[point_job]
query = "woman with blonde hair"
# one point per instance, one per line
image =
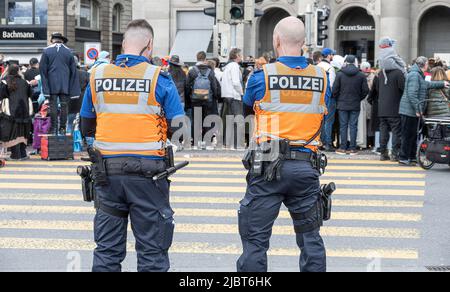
(438, 106)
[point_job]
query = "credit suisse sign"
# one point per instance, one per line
(356, 28)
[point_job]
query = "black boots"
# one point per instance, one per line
(385, 156)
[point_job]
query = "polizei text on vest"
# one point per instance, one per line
(123, 85)
(286, 82)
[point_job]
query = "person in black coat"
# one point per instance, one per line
(208, 107)
(15, 120)
(178, 75)
(30, 76)
(390, 91)
(349, 90)
(75, 103)
(60, 79)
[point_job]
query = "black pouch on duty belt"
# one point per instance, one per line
(143, 167)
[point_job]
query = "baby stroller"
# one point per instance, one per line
(434, 147)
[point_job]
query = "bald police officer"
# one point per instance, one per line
(128, 107)
(289, 101)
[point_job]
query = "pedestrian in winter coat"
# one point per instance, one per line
(178, 76)
(438, 106)
(207, 106)
(416, 91)
(17, 111)
(76, 102)
(350, 88)
(366, 108)
(60, 80)
(390, 86)
(232, 93)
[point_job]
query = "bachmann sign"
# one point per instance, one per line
(356, 28)
(23, 34)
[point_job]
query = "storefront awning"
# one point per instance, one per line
(189, 42)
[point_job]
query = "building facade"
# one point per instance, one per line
(355, 26)
(26, 25)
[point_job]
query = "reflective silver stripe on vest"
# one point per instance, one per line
(142, 108)
(275, 95)
(292, 108)
(317, 96)
(99, 73)
(124, 147)
(128, 109)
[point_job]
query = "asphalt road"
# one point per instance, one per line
(386, 218)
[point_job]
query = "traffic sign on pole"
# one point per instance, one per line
(91, 52)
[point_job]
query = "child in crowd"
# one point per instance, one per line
(389, 59)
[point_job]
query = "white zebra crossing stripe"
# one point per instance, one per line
(219, 213)
(221, 180)
(200, 248)
(354, 232)
(219, 200)
(214, 189)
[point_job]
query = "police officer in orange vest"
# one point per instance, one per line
(289, 102)
(128, 107)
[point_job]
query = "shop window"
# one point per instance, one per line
(117, 18)
(23, 12)
(41, 12)
(89, 14)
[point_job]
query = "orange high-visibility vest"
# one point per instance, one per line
(294, 105)
(129, 119)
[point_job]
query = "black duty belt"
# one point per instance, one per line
(300, 156)
(134, 166)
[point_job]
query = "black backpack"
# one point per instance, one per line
(201, 91)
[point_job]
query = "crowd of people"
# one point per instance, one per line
(369, 105)
(368, 108)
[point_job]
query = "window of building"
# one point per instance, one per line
(23, 12)
(89, 14)
(117, 18)
(194, 34)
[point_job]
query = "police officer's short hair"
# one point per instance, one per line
(140, 24)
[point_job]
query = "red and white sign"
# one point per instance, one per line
(91, 52)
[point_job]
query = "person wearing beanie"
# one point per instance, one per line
(389, 59)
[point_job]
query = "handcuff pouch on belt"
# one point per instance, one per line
(267, 158)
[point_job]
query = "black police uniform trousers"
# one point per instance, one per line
(299, 190)
(151, 218)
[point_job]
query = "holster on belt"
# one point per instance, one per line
(267, 159)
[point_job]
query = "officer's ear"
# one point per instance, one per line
(150, 45)
(276, 42)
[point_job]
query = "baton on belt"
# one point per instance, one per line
(170, 171)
